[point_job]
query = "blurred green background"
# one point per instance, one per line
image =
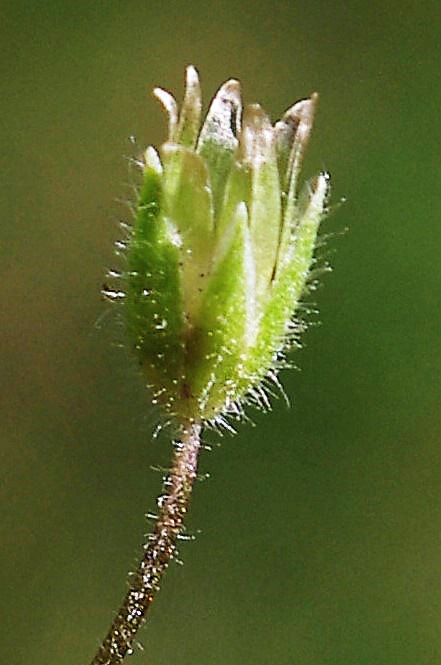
(320, 528)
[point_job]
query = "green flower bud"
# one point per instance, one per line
(221, 250)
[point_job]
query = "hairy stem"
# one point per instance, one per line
(158, 550)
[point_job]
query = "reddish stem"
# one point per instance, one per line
(158, 550)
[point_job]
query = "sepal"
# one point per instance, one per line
(227, 324)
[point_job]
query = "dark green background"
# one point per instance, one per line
(320, 528)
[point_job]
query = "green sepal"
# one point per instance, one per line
(226, 324)
(153, 303)
(290, 282)
(189, 212)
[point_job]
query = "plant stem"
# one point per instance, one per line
(158, 550)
